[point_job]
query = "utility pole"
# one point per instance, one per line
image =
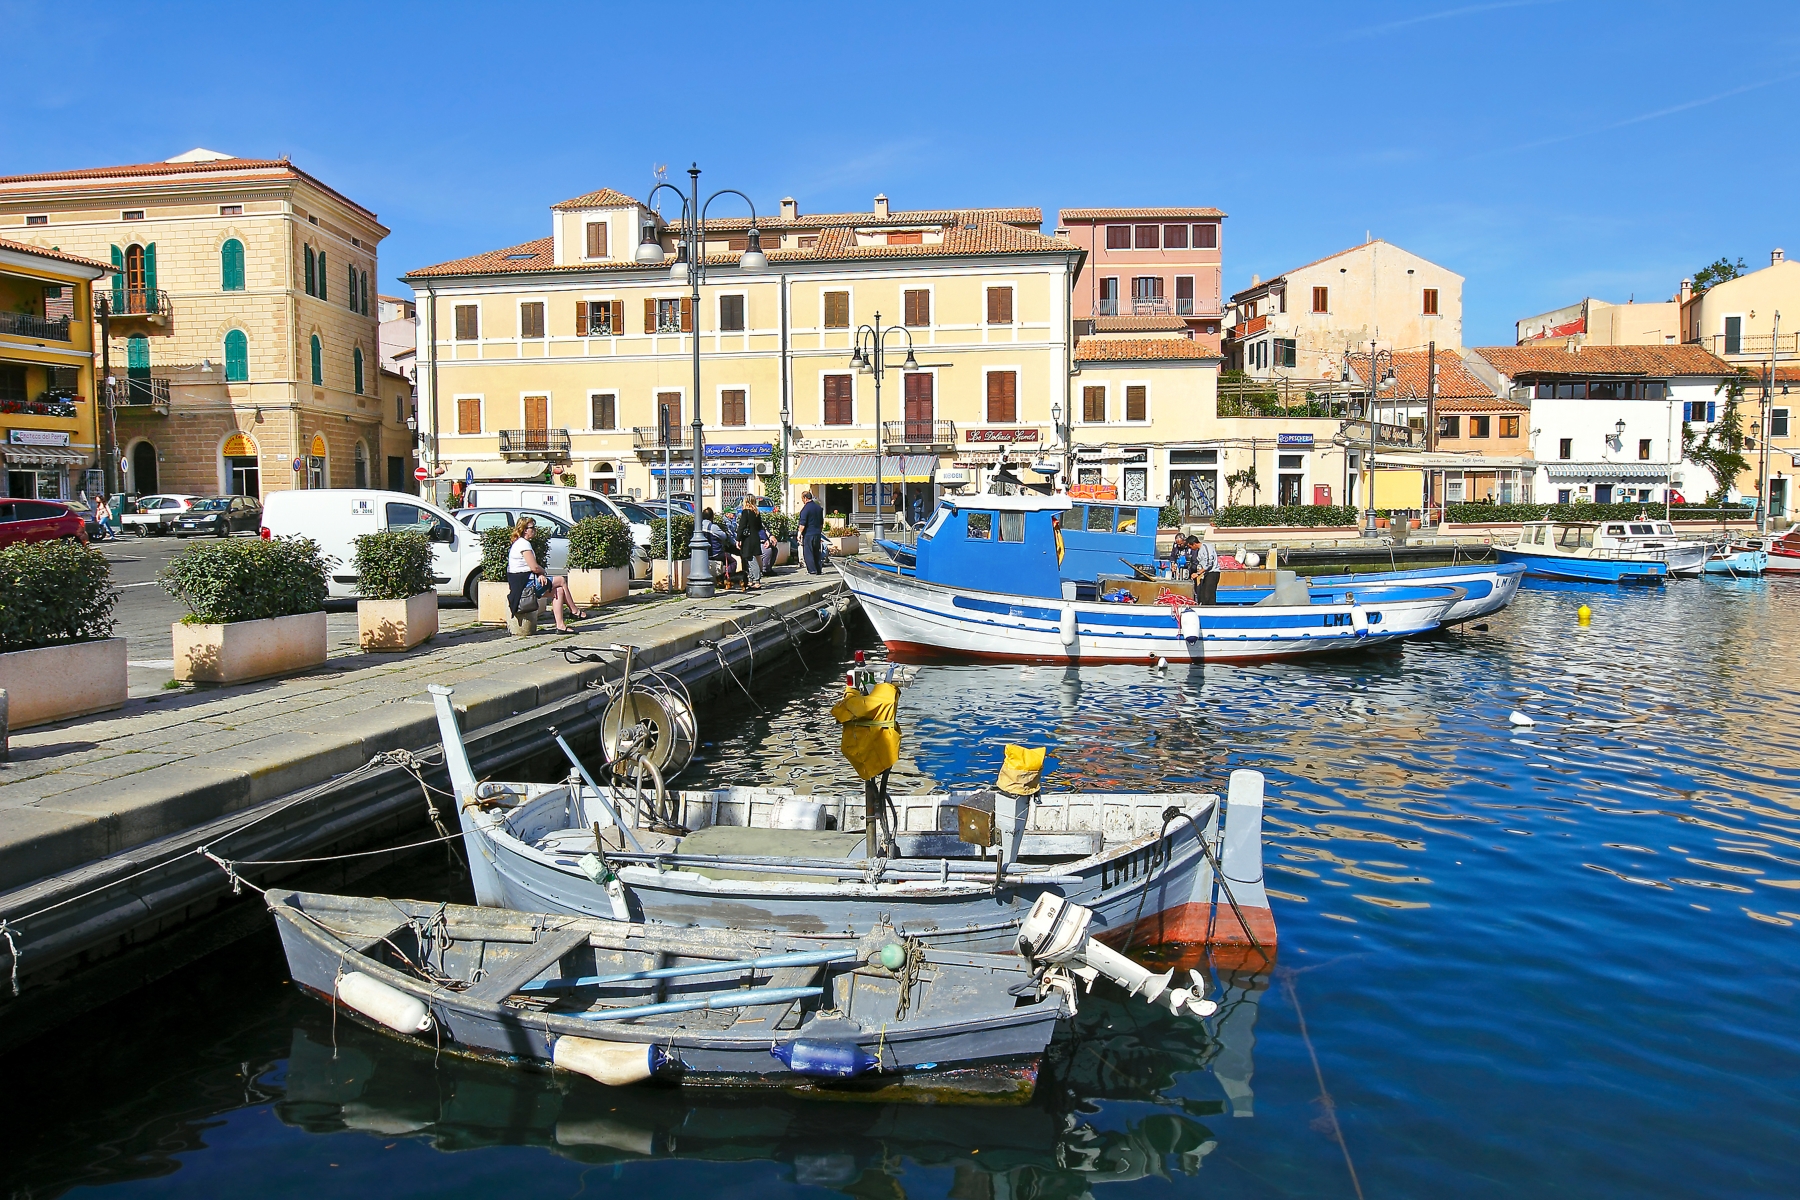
(1762, 433)
(1431, 406)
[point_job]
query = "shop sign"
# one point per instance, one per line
(951, 477)
(713, 470)
(751, 450)
(1001, 435)
(238, 446)
(1293, 439)
(37, 437)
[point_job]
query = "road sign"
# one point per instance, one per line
(421, 474)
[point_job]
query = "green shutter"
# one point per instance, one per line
(237, 357)
(318, 362)
(311, 287)
(231, 265)
(363, 291)
(137, 353)
(150, 276)
(351, 296)
(323, 293)
(118, 300)
(359, 370)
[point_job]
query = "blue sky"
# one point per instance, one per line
(1544, 149)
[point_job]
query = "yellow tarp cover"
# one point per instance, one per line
(871, 730)
(1020, 774)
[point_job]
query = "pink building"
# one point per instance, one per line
(1148, 262)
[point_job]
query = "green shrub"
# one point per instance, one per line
(781, 526)
(393, 565)
(1480, 512)
(684, 533)
(497, 543)
(251, 579)
(597, 543)
(1240, 516)
(54, 592)
(1170, 517)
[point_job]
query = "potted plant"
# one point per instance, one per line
(58, 658)
(599, 560)
(398, 606)
(256, 609)
(494, 607)
(659, 550)
(842, 537)
(782, 527)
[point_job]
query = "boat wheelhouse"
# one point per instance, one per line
(1032, 545)
(1648, 538)
(1568, 550)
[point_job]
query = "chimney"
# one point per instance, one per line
(1255, 279)
(1775, 256)
(881, 208)
(789, 210)
(1687, 290)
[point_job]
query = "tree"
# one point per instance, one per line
(1245, 478)
(1716, 272)
(1720, 448)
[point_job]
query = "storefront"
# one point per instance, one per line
(41, 465)
(845, 483)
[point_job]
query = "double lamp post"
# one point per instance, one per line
(869, 354)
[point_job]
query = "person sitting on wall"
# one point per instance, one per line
(524, 572)
(718, 546)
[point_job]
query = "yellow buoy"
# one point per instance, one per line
(1584, 615)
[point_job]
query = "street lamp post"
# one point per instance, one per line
(1378, 378)
(869, 353)
(1062, 433)
(1762, 435)
(690, 268)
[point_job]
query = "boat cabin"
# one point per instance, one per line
(1553, 537)
(1031, 544)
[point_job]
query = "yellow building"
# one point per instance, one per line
(242, 326)
(49, 426)
(563, 354)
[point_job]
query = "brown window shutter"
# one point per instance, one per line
(1000, 306)
(468, 415)
(650, 315)
(732, 407)
(617, 308)
(1002, 397)
(581, 318)
(837, 310)
(596, 239)
(1136, 402)
(687, 314)
(1093, 404)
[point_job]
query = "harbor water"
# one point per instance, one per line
(1554, 958)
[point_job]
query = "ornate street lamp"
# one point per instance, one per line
(869, 353)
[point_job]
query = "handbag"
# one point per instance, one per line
(528, 600)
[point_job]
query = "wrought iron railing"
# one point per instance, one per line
(650, 437)
(919, 433)
(32, 326)
(150, 302)
(535, 443)
(1150, 306)
(1107, 307)
(141, 392)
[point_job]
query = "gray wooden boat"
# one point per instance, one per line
(882, 1017)
(1147, 864)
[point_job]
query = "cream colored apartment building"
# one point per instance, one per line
(564, 355)
(243, 343)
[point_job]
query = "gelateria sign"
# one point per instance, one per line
(1000, 435)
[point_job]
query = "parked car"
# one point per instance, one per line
(571, 504)
(155, 514)
(483, 519)
(39, 521)
(336, 517)
(220, 516)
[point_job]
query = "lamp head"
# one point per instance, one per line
(858, 359)
(753, 258)
(911, 363)
(1056, 415)
(650, 252)
(1619, 429)
(679, 272)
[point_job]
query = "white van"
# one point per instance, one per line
(571, 504)
(336, 517)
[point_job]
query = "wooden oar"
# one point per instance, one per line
(747, 998)
(799, 958)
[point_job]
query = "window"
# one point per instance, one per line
(1002, 397)
(1109, 297)
(596, 239)
(231, 266)
(1285, 349)
(231, 210)
(1643, 449)
(362, 293)
(1430, 308)
(1137, 479)
(1184, 295)
(237, 357)
(668, 414)
(733, 410)
(350, 295)
(1118, 237)
(1012, 526)
(1479, 426)
(1321, 300)
(312, 279)
(1175, 237)
(356, 366)
(912, 237)
(1206, 237)
(1605, 389)
(1778, 422)
(1146, 288)
(999, 306)
(981, 526)
(1280, 301)
(837, 400)
(1700, 410)
(731, 314)
(1450, 427)
(1565, 448)
(605, 408)
(399, 410)
(322, 288)
(1093, 405)
(468, 322)
(468, 414)
(1734, 335)
(1509, 427)
(837, 310)
(918, 307)
(1147, 237)
(669, 316)
(1137, 402)
(531, 319)
(1100, 519)
(132, 214)
(318, 362)
(599, 317)
(37, 220)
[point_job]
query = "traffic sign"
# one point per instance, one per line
(421, 474)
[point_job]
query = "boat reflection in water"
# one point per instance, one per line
(1061, 1144)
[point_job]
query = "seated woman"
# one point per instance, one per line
(524, 571)
(719, 546)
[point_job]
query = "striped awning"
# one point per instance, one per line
(42, 456)
(1606, 470)
(860, 468)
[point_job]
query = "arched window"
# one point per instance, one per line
(357, 361)
(351, 268)
(322, 289)
(362, 290)
(318, 362)
(237, 357)
(312, 285)
(231, 265)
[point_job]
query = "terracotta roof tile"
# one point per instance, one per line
(602, 198)
(1145, 349)
(176, 173)
(1480, 404)
(869, 220)
(1659, 361)
(58, 255)
(1412, 375)
(1133, 214)
(1143, 324)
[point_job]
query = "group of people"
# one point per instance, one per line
(746, 556)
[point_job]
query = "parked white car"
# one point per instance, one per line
(155, 513)
(571, 504)
(483, 519)
(336, 517)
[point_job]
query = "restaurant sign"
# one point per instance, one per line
(1001, 435)
(752, 450)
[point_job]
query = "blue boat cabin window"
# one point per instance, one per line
(1100, 520)
(1075, 518)
(937, 522)
(980, 526)
(1127, 521)
(1012, 526)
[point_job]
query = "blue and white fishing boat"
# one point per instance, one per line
(1487, 587)
(1647, 538)
(1566, 550)
(1738, 561)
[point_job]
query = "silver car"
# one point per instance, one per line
(483, 519)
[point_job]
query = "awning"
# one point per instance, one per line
(1444, 461)
(42, 456)
(496, 472)
(860, 468)
(1606, 470)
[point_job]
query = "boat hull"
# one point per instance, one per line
(1490, 587)
(1738, 563)
(1585, 570)
(929, 620)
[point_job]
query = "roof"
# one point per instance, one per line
(602, 198)
(1145, 324)
(175, 172)
(1130, 214)
(1658, 361)
(1094, 349)
(58, 255)
(1272, 280)
(981, 235)
(1412, 375)
(871, 220)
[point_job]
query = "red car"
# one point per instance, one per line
(39, 521)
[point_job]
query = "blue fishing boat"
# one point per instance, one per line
(1488, 587)
(1566, 550)
(1738, 561)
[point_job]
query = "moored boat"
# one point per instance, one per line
(1783, 552)
(1738, 561)
(1566, 550)
(1487, 587)
(1648, 538)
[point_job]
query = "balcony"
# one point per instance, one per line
(28, 325)
(1151, 306)
(143, 394)
(1387, 436)
(919, 435)
(649, 439)
(47, 405)
(1749, 345)
(148, 305)
(1287, 398)
(1106, 306)
(535, 443)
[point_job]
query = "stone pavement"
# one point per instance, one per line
(76, 791)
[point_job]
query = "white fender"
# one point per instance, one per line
(612, 1063)
(1190, 624)
(390, 1006)
(1068, 625)
(1359, 620)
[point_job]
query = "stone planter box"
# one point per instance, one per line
(492, 608)
(397, 624)
(784, 553)
(245, 650)
(600, 587)
(659, 574)
(846, 547)
(53, 683)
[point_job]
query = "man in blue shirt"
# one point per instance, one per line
(812, 533)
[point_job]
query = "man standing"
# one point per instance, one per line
(812, 533)
(1203, 564)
